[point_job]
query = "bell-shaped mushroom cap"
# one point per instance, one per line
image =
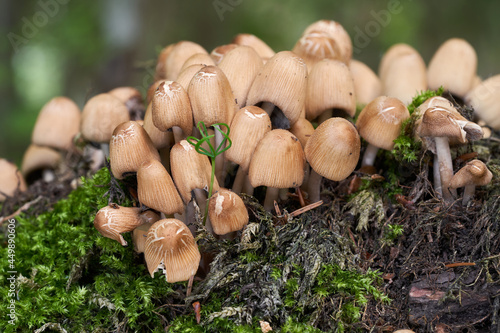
(140, 233)
(333, 149)
(336, 31)
(159, 138)
(395, 51)
(282, 82)
(302, 129)
(315, 46)
(367, 85)
(57, 123)
(380, 121)
(227, 212)
(219, 52)
(151, 91)
(474, 172)
(100, 115)
(278, 161)
(453, 66)
(262, 49)
(241, 65)
(111, 221)
(329, 86)
(132, 99)
(171, 107)
(187, 74)
(170, 246)
(190, 170)
(130, 146)
(403, 75)
(436, 101)
(248, 127)
(212, 99)
(485, 98)
(37, 158)
(181, 52)
(156, 189)
(198, 59)
(11, 179)
(160, 71)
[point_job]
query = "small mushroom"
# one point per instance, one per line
(11, 180)
(113, 220)
(474, 173)
(227, 212)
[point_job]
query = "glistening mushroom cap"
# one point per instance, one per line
(170, 246)
(227, 212)
(474, 172)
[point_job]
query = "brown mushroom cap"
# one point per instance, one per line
(219, 52)
(198, 59)
(111, 221)
(262, 49)
(178, 56)
(315, 46)
(140, 233)
(11, 179)
(170, 246)
(474, 172)
(302, 129)
(336, 31)
(278, 161)
(380, 121)
(159, 138)
(160, 72)
(57, 123)
(227, 212)
(333, 149)
(171, 107)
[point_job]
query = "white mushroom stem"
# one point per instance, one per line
(178, 134)
(445, 165)
(327, 114)
(272, 194)
(369, 155)
(248, 188)
(48, 175)
(268, 107)
(469, 191)
(437, 178)
(219, 159)
(314, 186)
(239, 181)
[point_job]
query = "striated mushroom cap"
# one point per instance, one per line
(227, 212)
(474, 172)
(113, 220)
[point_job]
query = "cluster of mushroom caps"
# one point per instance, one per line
(269, 100)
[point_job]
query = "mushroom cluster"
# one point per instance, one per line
(291, 119)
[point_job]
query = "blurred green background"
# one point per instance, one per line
(82, 48)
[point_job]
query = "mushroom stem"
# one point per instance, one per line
(369, 155)
(219, 159)
(437, 178)
(248, 188)
(445, 165)
(468, 193)
(105, 149)
(178, 134)
(48, 175)
(201, 200)
(239, 180)
(268, 107)
(327, 114)
(272, 194)
(314, 186)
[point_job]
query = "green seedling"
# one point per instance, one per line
(212, 152)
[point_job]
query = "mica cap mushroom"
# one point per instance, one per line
(474, 173)
(113, 220)
(227, 212)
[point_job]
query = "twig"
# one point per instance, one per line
(23, 208)
(459, 264)
(306, 208)
(189, 286)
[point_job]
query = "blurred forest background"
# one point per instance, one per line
(81, 48)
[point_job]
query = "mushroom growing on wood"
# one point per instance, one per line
(474, 173)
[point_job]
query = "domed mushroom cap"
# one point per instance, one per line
(380, 121)
(11, 179)
(156, 189)
(57, 123)
(159, 138)
(474, 172)
(113, 220)
(37, 158)
(302, 129)
(160, 71)
(333, 149)
(367, 85)
(178, 56)
(282, 82)
(485, 98)
(100, 116)
(453, 66)
(336, 31)
(132, 99)
(171, 107)
(227, 212)
(278, 161)
(220, 51)
(395, 51)
(315, 46)
(198, 59)
(170, 246)
(262, 49)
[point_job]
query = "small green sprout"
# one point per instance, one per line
(213, 152)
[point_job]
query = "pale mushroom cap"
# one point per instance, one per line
(315, 46)
(159, 138)
(329, 86)
(453, 66)
(302, 129)
(100, 115)
(171, 107)
(37, 158)
(395, 51)
(212, 99)
(156, 189)
(198, 59)
(219, 52)
(282, 82)
(182, 51)
(57, 123)
(262, 49)
(485, 98)
(367, 85)
(111, 221)
(337, 32)
(474, 172)
(248, 127)
(380, 121)
(11, 179)
(278, 161)
(130, 146)
(227, 212)
(333, 149)
(186, 75)
(126, 94)
(170, 246)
